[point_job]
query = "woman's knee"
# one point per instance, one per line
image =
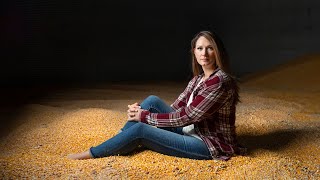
(139, 129)
(150, 100)
(134, 126)
(139, 126)
(127, 125)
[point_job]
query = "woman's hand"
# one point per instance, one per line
(134, 112)
(133, 106)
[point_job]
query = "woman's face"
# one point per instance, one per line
(204, 52)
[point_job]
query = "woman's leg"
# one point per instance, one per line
(155, 105)
(156, 139)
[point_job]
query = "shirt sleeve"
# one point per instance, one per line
(209, 100)
(181, 101)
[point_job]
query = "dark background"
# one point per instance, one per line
(69, 41)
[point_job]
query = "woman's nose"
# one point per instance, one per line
(205, 52)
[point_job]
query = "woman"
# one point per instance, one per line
(200, 124)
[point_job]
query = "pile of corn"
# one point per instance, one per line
(280, 130)
(38, 148)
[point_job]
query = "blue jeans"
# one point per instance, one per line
(169, 141)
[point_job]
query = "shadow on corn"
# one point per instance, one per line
(278, 140)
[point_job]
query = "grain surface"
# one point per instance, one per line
(277, 120)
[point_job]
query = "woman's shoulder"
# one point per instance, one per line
(219, 77)
(223, 76)
(221, 73)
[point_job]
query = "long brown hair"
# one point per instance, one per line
(221, 57)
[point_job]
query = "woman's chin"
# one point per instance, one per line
(206, 64)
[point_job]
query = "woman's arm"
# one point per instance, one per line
(208, 101)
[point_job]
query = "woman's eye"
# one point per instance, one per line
(210, 48)
(199, 48)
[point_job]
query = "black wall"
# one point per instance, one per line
(56, 41)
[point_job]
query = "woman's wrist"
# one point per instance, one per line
(143, 116)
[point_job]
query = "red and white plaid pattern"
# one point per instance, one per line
(212, 112)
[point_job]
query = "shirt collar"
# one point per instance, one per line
(214, 72)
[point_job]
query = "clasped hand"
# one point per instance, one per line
(134, 112)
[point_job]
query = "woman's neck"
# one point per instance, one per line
(207, 72)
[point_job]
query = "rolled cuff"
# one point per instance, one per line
(91, 154)
(143, 116)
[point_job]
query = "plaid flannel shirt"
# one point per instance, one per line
(212, 112)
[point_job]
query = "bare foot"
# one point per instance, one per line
(83, 155)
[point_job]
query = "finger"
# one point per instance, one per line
(135, 105)
(132, 110)
(131, 114)
(132, 105)
(135, 109)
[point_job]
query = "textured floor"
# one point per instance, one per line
(278, 120)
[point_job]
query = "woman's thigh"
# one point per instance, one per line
(174, 144)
